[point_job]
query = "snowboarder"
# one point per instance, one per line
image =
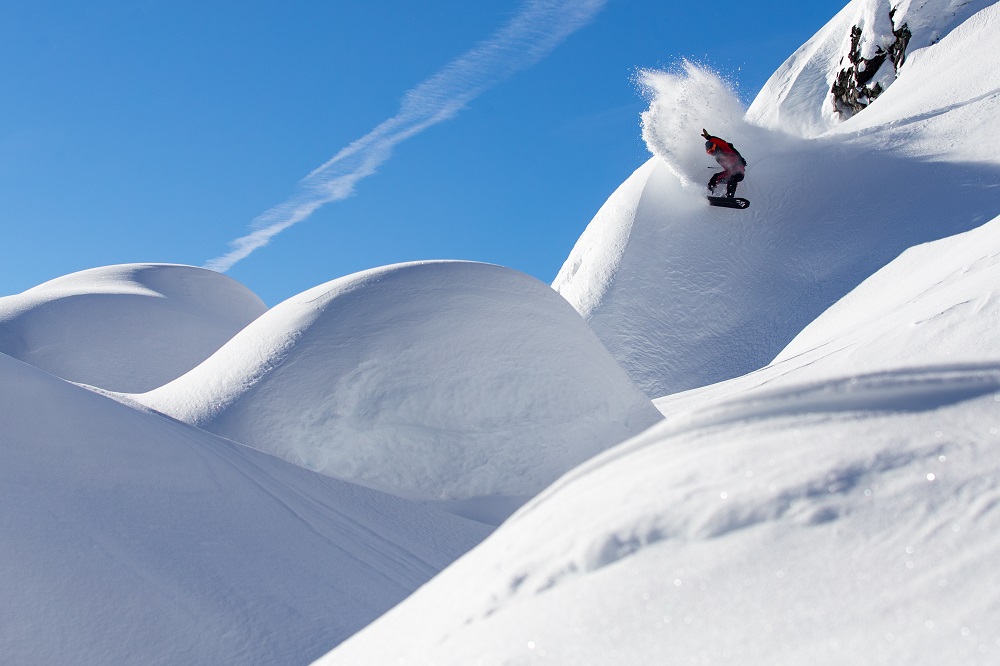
(732, 163)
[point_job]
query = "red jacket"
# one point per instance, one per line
(726, 155)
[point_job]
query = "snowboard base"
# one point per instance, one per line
(729, 202)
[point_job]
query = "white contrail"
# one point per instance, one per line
(527, 38)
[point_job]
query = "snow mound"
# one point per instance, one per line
(435, 381)
(130, 327)
(129, 538)
(689, 295)
(798, 98)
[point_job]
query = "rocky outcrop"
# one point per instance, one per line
(858, 85)
(897, 50)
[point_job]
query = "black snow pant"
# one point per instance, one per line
(732, 180)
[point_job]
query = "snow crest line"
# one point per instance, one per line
(530, 36)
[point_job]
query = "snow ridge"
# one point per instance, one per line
(131, 327)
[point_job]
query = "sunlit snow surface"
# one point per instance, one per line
(125, 328)
(844, 522)
(796, 98)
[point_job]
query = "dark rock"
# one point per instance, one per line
(851, 92)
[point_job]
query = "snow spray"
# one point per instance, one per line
(681, 104)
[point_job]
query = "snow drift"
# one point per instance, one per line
(125, 328)
(436, 381)
(935, 306)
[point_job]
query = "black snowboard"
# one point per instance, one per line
(729, 202)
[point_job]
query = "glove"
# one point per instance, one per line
(704, 133)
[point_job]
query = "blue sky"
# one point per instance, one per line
(159, 130)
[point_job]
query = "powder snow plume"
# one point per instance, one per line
(681, 104)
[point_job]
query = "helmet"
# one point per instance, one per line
(709, 147)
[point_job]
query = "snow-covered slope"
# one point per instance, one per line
(945, 103)
(939, 303)
(934, 306)
(455, 381)
(129, 538)
(798, 99)
(125, 328)
(851, 523)
(689, 295)
(839, 506)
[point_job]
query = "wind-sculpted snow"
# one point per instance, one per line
(129, 538)
(125, 328)
(689, 295)
(440, 381)
(935, 306)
